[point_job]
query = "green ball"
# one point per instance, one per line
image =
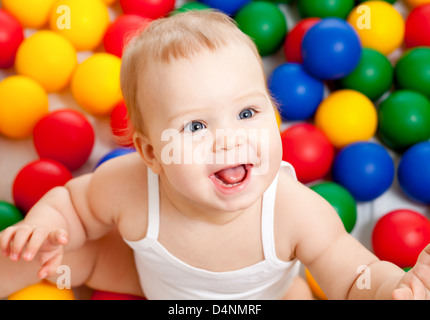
(265, 23)
(341, 200)
(412, 71)
(279, 1)
(325, 8)
(404, 119)
(189, 6)
(9, 215)
(373, 76)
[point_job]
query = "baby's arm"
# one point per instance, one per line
(62, 212)
(340, 264)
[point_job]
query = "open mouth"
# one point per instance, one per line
(233, 178)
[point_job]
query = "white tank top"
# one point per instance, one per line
(165, 277)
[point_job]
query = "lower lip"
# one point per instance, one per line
(236, 188)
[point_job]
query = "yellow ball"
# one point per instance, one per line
(96, 84)
(416, 3)
(346, 116)
(316, 290)
(30, 13)
(43, 291)
(48, 58)
(109, 2)
(83, 22)
(379, 25)
(23, 102)
(278, 118)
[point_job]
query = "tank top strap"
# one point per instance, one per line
(267, 215)
(153, 206)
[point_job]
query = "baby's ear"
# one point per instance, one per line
(146, 151)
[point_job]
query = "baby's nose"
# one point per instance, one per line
(228, 139)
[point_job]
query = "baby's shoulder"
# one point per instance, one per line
(119, 186)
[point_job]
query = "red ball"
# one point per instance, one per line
(121, 31)
(106, 295)
(119, 124)
(309, 151)
(65, 136)
(417, 27)
(11, 36)
(293, 41)
(400, 236)
(35, 179)
(152, 9)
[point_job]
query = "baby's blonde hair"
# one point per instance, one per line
(176, 37)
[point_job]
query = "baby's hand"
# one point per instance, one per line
(415, 285)
(28, 241)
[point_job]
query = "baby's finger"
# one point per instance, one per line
(5, 239)
(50, 267)
(404, 293)
(58, 237)
(20, 240)
(37, 239)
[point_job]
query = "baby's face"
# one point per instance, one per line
(213, 127)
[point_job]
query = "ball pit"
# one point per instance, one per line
(65, 136)
(411, 69)
(400, 235)
(11, 36)
(35, 179)
(331, 49)
(297, 93)
(48, 58)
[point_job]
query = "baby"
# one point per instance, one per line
(206, 203)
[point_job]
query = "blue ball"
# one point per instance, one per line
(365, 169)
(297, 93)
(115, 153)
(414, 172)
(331, 49)
(229, 7)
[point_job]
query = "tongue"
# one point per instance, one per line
(232, 175)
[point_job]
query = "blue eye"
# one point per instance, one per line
(246, 114)
(194, 126)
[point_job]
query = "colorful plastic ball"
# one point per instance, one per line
(416, 3)
(96, 84)
(294, 39)
(66, 136)
(43, 291)
(404, 119)
(389, 1)
(109, 2)
(48, 58)
(297, 93)
(11, 37)
(115, 153)
(190, 6)
(412, 70)
(229, 7)
(9, 215)
(35, 179)
(365, 169)
(315, 288)
(23, 102)
(325, 8)
(82, 22)
(400, 236)
(331, 49)
(265, 23)
(107, 295)
(308, 150)
(30, 13)
(120, 126)
(152, 9)
(373, 76)
(417, 27)
(413, 172)
(346, 116)
(341, 200)
(121, 31)
(379, 25)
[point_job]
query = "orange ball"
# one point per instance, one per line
(316, 290)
